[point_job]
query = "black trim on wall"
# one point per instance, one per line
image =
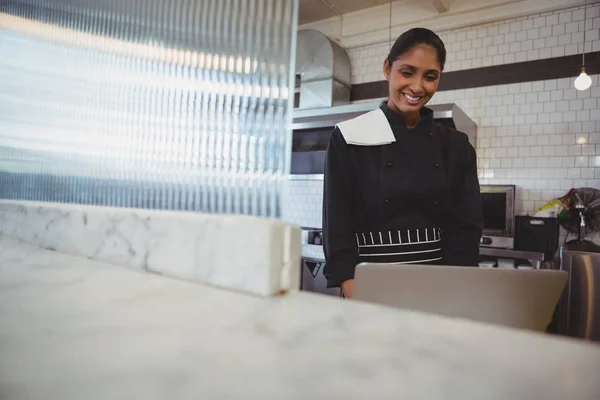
(370, 90)
(528, 71)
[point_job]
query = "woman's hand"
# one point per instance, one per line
(348, 288)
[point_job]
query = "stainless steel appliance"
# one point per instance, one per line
(535, 259)
(313, 263)
(498, 216)
(323, 67)
(578, 312)
(312, 278)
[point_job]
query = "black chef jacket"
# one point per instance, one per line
(416, 200)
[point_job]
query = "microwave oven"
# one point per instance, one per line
(498, 203)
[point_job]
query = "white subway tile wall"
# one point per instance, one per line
(542, 136)
(539, 136)
(303, 202)
(530, 38)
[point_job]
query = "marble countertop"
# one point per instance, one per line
(150, 240)
(79, 329)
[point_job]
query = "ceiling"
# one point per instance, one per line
(367, 22)
(315, 10)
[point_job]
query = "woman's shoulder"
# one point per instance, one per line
(337, 138)
(451, 134)
(453, 138)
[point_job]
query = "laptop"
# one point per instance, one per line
(523, 299)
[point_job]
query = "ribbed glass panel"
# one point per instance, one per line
(178, 104)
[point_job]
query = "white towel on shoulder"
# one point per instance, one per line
(370, 129)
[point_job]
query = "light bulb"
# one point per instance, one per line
(583, 81)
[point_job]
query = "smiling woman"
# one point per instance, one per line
(398, 187)
(413, 70)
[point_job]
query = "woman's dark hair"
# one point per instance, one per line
(414, 37)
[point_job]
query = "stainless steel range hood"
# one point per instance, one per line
(324, 70)
(312, 127)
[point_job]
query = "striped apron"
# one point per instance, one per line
(415, 246)
(400, 247)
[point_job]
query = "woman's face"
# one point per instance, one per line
(413, 79)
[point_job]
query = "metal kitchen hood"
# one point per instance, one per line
(324, 70)
(446, 114)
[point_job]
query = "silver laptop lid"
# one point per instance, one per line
(523, 299)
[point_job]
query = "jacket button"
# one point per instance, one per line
(386, 201)
(389, 165)
(437, 165)
(435, 203)
(430, 133)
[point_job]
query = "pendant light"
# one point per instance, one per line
(583, 81)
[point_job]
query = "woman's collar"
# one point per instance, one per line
(397, 120)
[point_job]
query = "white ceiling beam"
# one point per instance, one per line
(442, 6)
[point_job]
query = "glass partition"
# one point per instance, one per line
(179, 104)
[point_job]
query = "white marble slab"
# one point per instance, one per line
(255, 255)
(79, 329)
